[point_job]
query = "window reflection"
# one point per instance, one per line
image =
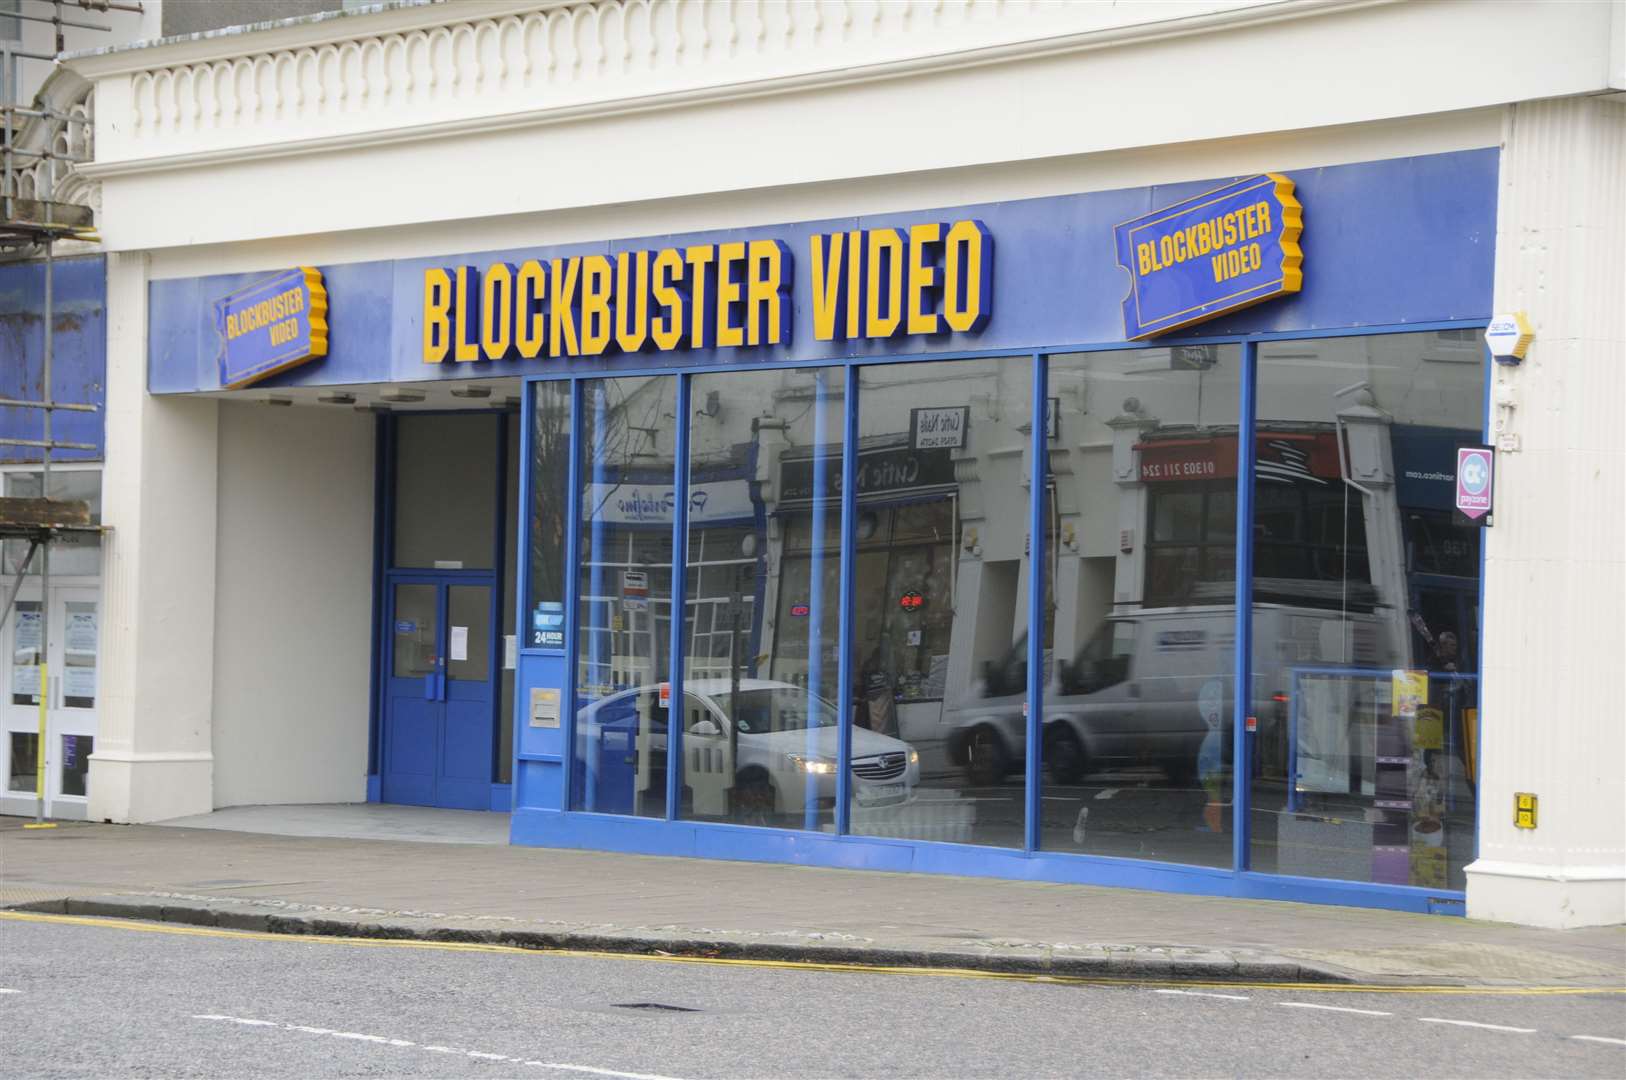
(762, 599)
(940, 599)
(1366, 610)
(1137, 714)
(550, 481)
(624, 595)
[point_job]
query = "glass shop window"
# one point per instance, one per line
(939, 600)
(624, 594)
(763, 603)
(446, 491)
(1137, 715)
(550, 480)
(1366, 610)
(76, 751)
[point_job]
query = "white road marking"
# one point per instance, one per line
(1106, 793)
(385, 1040)
(1477, 1024)
(7, 990)
(1330, 1008)
(1199, 993)
(1600, 1039)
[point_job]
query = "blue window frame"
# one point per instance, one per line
(542, 814)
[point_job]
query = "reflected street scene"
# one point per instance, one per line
(1362, 701)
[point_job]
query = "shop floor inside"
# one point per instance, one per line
(599, 900)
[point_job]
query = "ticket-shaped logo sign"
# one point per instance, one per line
(1474, 474)
(275, 324)
(1223, 250)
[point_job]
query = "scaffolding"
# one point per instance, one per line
(37, 152)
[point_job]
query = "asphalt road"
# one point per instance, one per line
(82, 998)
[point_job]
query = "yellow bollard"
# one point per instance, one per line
(39, 821)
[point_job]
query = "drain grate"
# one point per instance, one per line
(655, 1005)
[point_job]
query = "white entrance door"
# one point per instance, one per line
(70, 732)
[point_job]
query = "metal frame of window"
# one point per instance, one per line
(581, 829)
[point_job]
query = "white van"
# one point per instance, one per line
(1138, 690)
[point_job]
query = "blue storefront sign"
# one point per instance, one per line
(275, 324)
(1047, 273)
(1225, 249)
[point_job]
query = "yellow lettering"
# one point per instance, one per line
(699, 257)
(1264, 217)
(466, 303)
(827, 305)
(631, 299)
(595, 306)
(855, 283)
(769, 278)
(668, 329)
(1144, 254)
(561, 308)
(730, 335)
(885, 261)
(530, 321)
(497, 311)
(922, 276)
(437, 322)
(967, 276)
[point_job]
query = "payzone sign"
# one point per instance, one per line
(1218, 252)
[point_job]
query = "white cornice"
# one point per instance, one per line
(722, 88)
(327, 28)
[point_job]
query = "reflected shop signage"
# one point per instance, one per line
(1215, 253)
(1286, 457)
(929, 278)
(882, 471)
(273, 325)
(627, 503)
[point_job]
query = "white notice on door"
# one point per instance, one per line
(459, 643)
(81, 632)
(79, 682)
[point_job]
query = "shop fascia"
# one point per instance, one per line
(930, 278)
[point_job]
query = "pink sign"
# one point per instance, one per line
(1474, 464)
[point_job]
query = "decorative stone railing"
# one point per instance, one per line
(353, 76)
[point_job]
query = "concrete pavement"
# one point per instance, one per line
(590, 900)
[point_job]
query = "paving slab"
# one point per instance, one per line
(547, 898)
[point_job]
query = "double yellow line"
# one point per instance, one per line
(796, 965)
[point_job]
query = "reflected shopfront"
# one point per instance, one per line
(1358, 761)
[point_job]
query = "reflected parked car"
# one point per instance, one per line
(1145, 688)
(745, 757)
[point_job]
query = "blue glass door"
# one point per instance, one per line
(439, 699)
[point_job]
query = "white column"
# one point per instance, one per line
(152, 758)
(1555, 567)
